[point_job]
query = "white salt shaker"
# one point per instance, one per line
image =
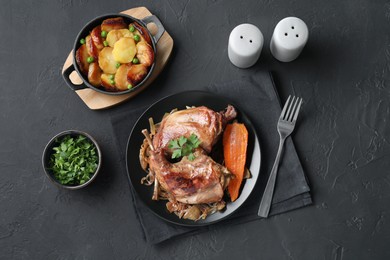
(245, 45)
(289, 38)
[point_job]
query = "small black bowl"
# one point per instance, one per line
(48, 151)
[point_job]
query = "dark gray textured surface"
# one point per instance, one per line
(343, 138)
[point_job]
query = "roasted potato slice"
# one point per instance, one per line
(94, 74)
(81, 59)
(124, 50)
(91, 47)
(113, 24)
(114, 35)
(136, 74)
(106, 61)
(145, 53)
(96, 35)
(106, 82)
(121, 77)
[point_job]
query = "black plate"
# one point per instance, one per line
(180, 101)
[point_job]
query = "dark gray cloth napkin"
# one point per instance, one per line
(257, 97)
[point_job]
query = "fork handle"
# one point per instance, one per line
(266, 200)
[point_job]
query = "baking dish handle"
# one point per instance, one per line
(157, 22)
(66, 75)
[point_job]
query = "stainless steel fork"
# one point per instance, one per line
(286, 125)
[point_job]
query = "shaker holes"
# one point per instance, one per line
(250, 41)
(296, 35)
(285, 34)
(292, 27)
(241, 37)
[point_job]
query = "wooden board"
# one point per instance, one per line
(96, 100)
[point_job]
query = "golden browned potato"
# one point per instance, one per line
(97, 37)
(114, 35)
(124, 50)
(136, 74)
(106, 82)
(106, 61)
(145, 53)
(121, 77)
(81, 59)
(113, 24)
(91, 48)
(94, 74)
(112, 66)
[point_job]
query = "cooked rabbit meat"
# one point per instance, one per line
(205, 123)
(193, 182)
(194, 188)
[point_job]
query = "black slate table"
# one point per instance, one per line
(343, 140)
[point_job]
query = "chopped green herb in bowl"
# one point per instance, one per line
(72, 159)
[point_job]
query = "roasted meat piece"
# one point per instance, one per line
(193, 182)
(195, 187)
(205, 123)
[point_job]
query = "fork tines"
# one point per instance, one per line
(291, 109)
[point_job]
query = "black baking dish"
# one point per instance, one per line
(88, 28)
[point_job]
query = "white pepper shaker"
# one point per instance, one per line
(245, 45)
(289, 38)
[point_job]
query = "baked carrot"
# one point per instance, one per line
(235, 142)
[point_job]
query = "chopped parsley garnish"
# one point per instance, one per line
(184, 146)
(74, 160)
